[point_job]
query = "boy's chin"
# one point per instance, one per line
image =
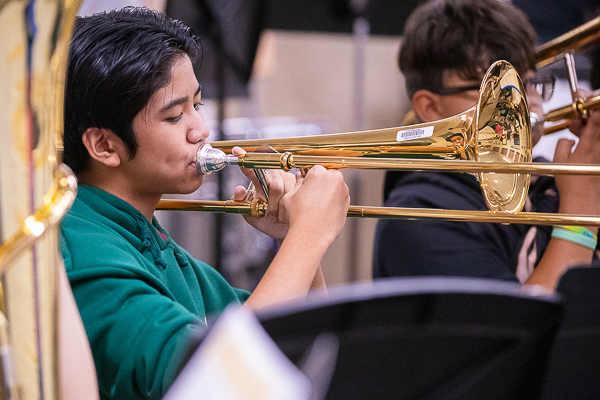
(189, 188)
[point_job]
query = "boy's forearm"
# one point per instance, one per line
(294, 271)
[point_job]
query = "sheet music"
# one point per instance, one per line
(239, 361)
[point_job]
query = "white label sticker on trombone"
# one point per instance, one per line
(416, 133)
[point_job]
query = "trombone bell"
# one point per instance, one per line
(497, 129)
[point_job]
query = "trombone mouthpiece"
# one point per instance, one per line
(209, 159)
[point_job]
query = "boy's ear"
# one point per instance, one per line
(426, 105)
(104, 146)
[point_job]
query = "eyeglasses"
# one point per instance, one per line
(451, 91)
(543, 85)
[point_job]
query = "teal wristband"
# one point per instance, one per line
(578, 229)
(575, 237)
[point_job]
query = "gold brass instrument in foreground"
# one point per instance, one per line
(497, 146)
(34, 192)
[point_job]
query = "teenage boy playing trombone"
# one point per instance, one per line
(446, 49)
(133, 123)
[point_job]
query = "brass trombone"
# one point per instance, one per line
(496, 146)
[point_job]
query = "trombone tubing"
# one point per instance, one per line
(288, 161)
(553, 50)
(570, 41)
(257, 208)
(573, 110)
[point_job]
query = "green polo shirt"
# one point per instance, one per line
(141, 296)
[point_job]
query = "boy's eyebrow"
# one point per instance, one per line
(179, 101)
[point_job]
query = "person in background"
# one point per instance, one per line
(446, 49)
(133, 125)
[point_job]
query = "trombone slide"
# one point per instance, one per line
(258, 208)
(287, 161)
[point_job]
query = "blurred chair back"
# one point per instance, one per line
(427, 338)
(574, 370)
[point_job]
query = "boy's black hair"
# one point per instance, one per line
(464, 36)
(117, 61)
